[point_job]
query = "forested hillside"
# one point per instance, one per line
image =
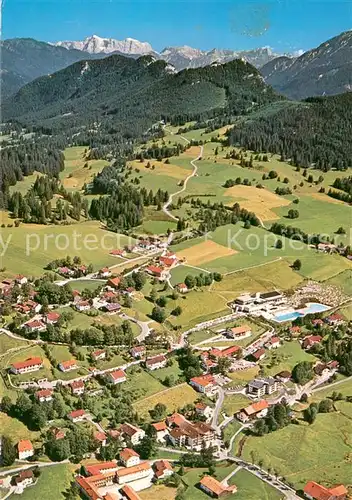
(317, 132)
(131, 95)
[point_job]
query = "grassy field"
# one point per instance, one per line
(342, 280)
(15, 429)
(233, 403)
(193, 476)
(31, 352)
(159, 491)
(345, 388)
(53, 484)
(298, 452)
(285, 358)
(251, 487)
(7, 343)
(173, 398)
(76, 174)
(31, 246)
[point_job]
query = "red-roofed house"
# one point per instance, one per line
(44, 395)
(157, 272)
(315, 491)
(258, 355)
(77, 415)
(214, 488)
(52, 318)
(100, 437)
(168, 262)
(25, 449)
(138, 351)
(204, 384)
(255, 410)
(335, 319)
(69, 365)
(162, 469)
(161, 431)
(317, 322)
(77, 387)
(295, 330)
(273, 343)
(129, 457)
(118, 253)
(99, 354)
(116, 377)
(204, 410)
(182, 287)
(128, 474)
(114, 282)
(101, 468)
(135, 434)
(308, 342)
(156, 362)
(104, 272)
(29, 365)
(239, 332)
(83, 305)
(34, 325)
(128, 493)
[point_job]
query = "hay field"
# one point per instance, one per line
(259, 201)
(206, 251)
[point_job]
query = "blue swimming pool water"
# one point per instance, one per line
(291, 316)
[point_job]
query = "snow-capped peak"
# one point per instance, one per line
(95, 45)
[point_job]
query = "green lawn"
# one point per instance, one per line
(193, 476)
(173, 370)
(31, 352)
(7, 343)
(343, 281)
(299, 452)
(53, 484)
(233, 403)
(345, 388)
(285, 358)
(251, 487)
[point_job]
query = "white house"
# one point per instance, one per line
(156, 362)
(135, 434)
(27, 366)
(116, 377)
(161, 431)
(44, 395)
(129, 457)
(77, 415)
(128, 474)
(25, 449)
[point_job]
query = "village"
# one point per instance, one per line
(257, 326)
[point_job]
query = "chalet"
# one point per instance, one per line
(204, 384)
(255, 410)
(115, 377)
(156, 362)
(182, 288)
(284, 376)
(104, 272)
(83, 305)
(109, 295)
(24, 478)
(77, 387)
(51, 318)
(308, 342)
(112, 308)
(135, 434)
(77, 415)
(138, 352)
(44, 395)
(128, 493)
(99, 354)
(315, 491)
(335, 319)
(25, 449)
(35, 325)
(162, 469)
(128, 474)
(260, 387)
(258, 355)
(114, 282)
(157, 272)
(68, 366)
(129, 457)
(100, 438)
(204, 410)
(273, 343)
(29, 365)
(118, 253)
(214, 488)
(21, 280)
(239, 332)
(161, 431)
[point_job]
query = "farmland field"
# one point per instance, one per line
(296, 451)
(173, 398)
(251, 487)
(53, 484)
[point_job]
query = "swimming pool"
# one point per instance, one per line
(292, 315)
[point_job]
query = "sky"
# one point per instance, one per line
(284, 25)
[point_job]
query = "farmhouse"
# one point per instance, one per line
(104, 272)
(260, 387)
(335, 320)
(273, 343)
(35, 325)
(21, 280)
(214, 488)
(112, 308)
(228, 352)
(135, 434)
(116, 377)
(128, 474)
(129, 457)
(114, 282)
(156, 362)
(315, 491)
(258, 355)
(168, 262)
(25, 449)
(138, 351)
(100, 437)
(182, 288)
(24, 478)
(239, 332)
(118, 253)
(162, 469)
(99, 354)
(77, 387)
(204, 384)
(68, 366)
(204, 410)
(51, 318)
(256, 410)
(284, 376)
(157, 272)
(77, 415)
(44, 395)
(30, 365)
(308, 342)
(161, 431)
(83, 305)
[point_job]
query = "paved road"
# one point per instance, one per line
(218, 406)
(331, 385)
(143, 325)
(27, 465)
